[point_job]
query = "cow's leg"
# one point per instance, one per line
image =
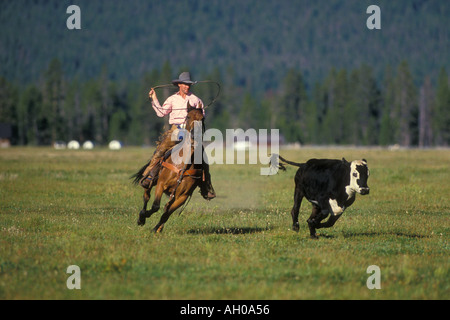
(298, 196)
(314, 220)
(330, 222)
(168, 210)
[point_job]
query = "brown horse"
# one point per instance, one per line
(175, 179)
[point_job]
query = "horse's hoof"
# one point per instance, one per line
(141, 219)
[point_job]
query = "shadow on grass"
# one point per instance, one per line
(376, 234)
(325, 236)
(225, 230)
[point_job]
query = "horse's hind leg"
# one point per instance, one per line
(168, 210)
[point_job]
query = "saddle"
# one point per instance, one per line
(205, 188)
(171, 167)
(193, 173)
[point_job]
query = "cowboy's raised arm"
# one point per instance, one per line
(161, 111)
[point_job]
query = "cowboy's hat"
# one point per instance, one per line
(185, 78)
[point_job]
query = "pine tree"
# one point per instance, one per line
(72, 107)
(247, 114)
(314, 116)
(341, 99)
(425, 105)
(138, 105)
(330, 129)
(293, 106)
(8, 106)
(363, 112)
(105, 105)
(30, 106)
(441, 114)
(405, 106)
(387, 125)
(53, 116)
(89, 110)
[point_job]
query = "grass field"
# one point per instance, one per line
(76, 207)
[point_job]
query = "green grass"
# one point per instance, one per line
(61, 208)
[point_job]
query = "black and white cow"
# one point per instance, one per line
(330, 185)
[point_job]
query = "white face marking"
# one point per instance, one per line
(354, 176)
(335, 207)
(349, 191)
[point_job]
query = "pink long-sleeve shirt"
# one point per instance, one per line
(176, 105)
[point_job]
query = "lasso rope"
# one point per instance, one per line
(205, 81)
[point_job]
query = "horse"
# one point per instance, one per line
(177, 179)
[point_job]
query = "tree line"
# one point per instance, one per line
(349, 107)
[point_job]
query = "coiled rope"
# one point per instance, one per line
(196, 82)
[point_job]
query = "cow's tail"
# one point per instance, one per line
(282, 165)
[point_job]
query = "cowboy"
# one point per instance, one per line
(176, 107)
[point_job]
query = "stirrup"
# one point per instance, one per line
(146, 182)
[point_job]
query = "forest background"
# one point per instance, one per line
(309, 68)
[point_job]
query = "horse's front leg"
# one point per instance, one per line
(144, 214)
(170, 207)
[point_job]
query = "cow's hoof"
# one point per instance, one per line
(314, 236)
(296, 227)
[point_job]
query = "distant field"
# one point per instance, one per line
(64, 207)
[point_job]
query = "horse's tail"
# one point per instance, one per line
(282, 166)
(138, 175)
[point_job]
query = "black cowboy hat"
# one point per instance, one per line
(185, 78)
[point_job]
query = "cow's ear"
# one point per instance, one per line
(344, 161)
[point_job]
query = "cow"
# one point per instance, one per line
(330, 185)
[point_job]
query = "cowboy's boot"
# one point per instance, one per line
(206, 187)
(210, 193)
(150, 174)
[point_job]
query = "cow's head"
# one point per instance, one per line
(359, 173)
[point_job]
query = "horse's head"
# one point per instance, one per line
(194, 117)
